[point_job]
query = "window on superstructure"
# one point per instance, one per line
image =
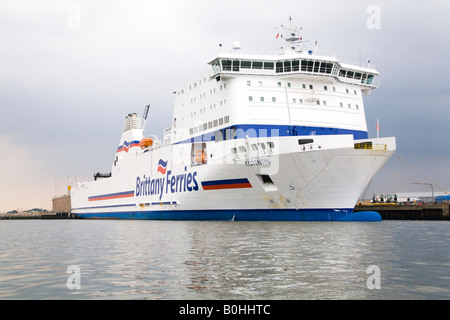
(364, 77)
(257, 65)
(226, 119)
(354, 91)
(342, 72)
(358, 76)
(316, 66)
(300, 100)
(327, 67)
(342, 105)
(268, 65)
(289, 84)
(236, 65)
(250, 98)
(279, 84)
(220, 121)
(210, 125)
(287, 66)
(324, 103)
(218, 136)
(261, 99)
(304, 65)
(249, 83)
(260, 83)
(279, 67)
(205, 126)
(304, 86)
(246, 64)
(215, 123)
(325, 88)
(294, 100)
(295, 65)
(230, 133)
(226, 65)
(349, 106)
(350, 74)
(311, 86)
(274, 99)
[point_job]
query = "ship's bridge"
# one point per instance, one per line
(295, 63)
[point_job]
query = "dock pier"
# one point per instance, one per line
(431, 211)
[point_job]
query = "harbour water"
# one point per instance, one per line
(168, 260)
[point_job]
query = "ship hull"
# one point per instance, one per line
(241, 215)
(292, 180)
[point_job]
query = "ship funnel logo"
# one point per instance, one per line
(162, 166)
(127, 146)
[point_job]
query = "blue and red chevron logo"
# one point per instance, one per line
(162, 166)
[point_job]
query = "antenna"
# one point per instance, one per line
(291, 36)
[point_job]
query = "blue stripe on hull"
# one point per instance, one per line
(241, 215)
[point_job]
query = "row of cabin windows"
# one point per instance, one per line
(211, 91)
(209, 125)
(211, 107)
(313, 66)
(304, 86)
(364, 77)
(300, 101)
(254, 147)
(235, 65)
(280, 66)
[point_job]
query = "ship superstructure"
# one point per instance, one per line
(258, 137)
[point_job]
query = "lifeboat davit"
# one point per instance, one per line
(145, 143)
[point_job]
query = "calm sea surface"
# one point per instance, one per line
(223, 260)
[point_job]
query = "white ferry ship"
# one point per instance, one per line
(257, 137)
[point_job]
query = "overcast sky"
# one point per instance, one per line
(71, 70)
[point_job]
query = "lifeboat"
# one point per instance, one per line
(145, 143)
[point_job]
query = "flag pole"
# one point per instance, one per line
(378, 133)
(378, 128)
